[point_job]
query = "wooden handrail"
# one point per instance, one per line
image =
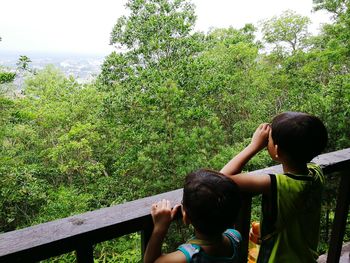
(81, 232)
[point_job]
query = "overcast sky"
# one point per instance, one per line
(84, 26)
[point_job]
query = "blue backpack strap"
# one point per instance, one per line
(189, 250)
(236, 239)
(234, 236)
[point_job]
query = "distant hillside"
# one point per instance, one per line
(83, 68)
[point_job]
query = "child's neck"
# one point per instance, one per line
(208, 239)
(295, 168)
(217, 246)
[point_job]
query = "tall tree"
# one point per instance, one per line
(156, 33)
(152, 106)
(289, 28)
(154, 29)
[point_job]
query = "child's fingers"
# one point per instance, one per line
(262, 129)
(168, 205)
(164, 204)
(161, 205)
(174, 210)
(156, 205)
(265, 126)
(154, 208)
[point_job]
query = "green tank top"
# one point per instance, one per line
(291, 217)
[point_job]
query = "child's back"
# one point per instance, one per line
(291, 217)
(292, 200)
(226, 251)
(210, 203)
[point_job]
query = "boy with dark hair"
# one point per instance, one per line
(211, 204)
(291, 201)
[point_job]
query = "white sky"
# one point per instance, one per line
(84, 26)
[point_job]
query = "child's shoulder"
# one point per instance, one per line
(174, 257)
(314, 169)
(314, 173)
(192, 250)
(189, 250)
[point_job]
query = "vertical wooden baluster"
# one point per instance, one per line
(85, 254)
(243, 224)
(339, 223)
(145, 236)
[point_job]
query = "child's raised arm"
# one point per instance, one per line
(254, 184)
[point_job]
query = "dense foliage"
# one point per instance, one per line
(172, 101)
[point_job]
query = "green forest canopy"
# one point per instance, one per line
(175, 101)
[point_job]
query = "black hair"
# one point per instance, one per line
(211, 201)
(299, 135)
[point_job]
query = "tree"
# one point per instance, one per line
(331, 67)
(229, 79)
(156, 33)
(21, 196)
(23, 63)
(6, 77)
(337, 7)
(62, 113)
(289, 28)
(171, 91)
(154, 29)
(231, 36)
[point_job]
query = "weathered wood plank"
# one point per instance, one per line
(63, 235)
(334, 161)
(330, 162)
(344, 255)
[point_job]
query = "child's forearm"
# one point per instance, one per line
(236, 164)
(162, 215)
(154, 246)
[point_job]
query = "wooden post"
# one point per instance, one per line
(339, 223)
(243, 224)
(145, 236)
(85, 253)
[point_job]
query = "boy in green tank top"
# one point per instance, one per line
(292, 200)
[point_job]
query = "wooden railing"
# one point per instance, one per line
(80, 232)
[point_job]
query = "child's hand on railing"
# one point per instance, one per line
(162, 215)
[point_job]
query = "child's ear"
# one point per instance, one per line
(185, 218)
(276, 151)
